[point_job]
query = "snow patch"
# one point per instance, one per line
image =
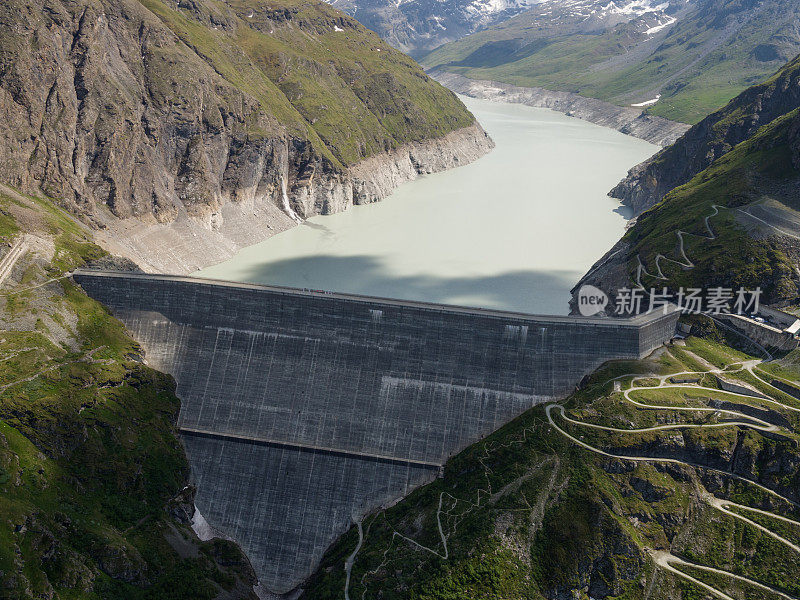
(287, 207)
(647, 102)
(438, 21)
(657, 28)
(489, 7)
(635, 8)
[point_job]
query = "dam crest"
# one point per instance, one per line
(302, 411)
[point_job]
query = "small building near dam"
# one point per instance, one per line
(302, 411)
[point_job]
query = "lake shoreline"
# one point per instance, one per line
(512, 231)
(628, 120)
(246, 217)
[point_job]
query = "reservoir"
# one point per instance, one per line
(514, 230)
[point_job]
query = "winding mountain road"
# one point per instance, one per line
(18, 249)
(664, 559)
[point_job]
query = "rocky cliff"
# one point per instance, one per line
(172, 121)
(647, 183)
(682, 60)
(598, 496)
(95, 500)
(734, 224)
(188, 242)
(631, 121)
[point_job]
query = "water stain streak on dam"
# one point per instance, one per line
(301, 411)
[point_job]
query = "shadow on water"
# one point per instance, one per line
(525, 291)
(624, 211)
(317, 226)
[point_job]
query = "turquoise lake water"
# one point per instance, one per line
(514, 230)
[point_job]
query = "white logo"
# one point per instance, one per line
(591, 300)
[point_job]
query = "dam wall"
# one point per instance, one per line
(301, 411)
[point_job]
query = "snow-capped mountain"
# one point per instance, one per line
(603, 13)
(679, 59)
(553, 18)
(419, 26)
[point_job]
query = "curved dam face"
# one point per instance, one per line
(302, 411)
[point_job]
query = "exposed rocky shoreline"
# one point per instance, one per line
(646, 184)
(249, 216)
(628, 120)
(181, 131)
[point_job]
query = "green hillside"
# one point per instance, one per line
(319, 72)
(537, 511)
(93, 496)
(743, 252)
(713, 52)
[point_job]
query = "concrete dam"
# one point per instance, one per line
(302, 411)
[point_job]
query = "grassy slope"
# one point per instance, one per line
(526, 512)
(348, 92)
(734, 258)
(720, 131)
(696, 84)
(89, 458)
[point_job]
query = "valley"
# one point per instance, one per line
(514, 230)
(386, 398)
(692, 58)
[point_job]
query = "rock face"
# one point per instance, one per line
(682, 60)
(166, 121)
(187, 243)
(731, 226)
(647, 183)
(631, 121)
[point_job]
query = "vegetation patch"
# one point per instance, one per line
(538, 515)
(93, 496)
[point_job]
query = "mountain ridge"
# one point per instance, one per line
(167, 114)
(418, 26)
(698, 56)
(647, 183)
(421, 26)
